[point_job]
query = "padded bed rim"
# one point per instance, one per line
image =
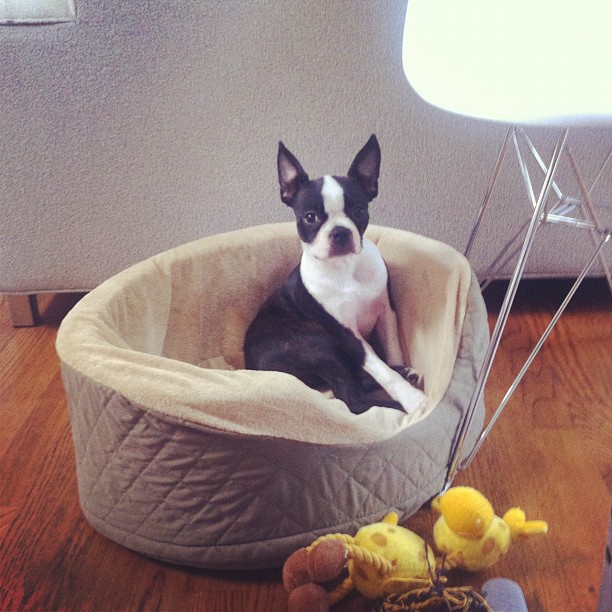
(237, 397)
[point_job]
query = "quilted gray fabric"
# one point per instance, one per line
(188, 494)
(172, 488)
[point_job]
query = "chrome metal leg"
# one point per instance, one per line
(591, 212)
(505, 310)
(559, 213)
(536, 350)
(505, 255)
(485, 202)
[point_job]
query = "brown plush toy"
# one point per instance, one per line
(305, 571)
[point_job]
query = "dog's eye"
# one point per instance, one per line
(311, 218)
(361, 211)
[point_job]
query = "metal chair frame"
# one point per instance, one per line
(577, 212)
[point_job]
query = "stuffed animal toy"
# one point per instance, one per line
(382, 558)
(470, 534)
(390, 563)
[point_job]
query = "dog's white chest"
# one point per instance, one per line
(351, 288)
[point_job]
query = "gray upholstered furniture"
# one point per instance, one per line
(143, 126)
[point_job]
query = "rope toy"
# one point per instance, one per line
(382, 558)
(454, 599)
(435, 596)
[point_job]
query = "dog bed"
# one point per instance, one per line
(184, 456)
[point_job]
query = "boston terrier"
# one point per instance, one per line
(319, 325)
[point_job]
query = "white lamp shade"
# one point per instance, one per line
(518, 61)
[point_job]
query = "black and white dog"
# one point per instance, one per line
(317, 326)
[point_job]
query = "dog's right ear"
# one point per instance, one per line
(291, 175)
(366, 167)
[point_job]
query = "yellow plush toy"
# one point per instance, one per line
(382, 558)
(469, 532)
(404, 550)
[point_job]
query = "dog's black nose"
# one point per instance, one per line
(339, 236)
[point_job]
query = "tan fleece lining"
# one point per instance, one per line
(167, 334)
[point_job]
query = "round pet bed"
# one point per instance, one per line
(184, 456)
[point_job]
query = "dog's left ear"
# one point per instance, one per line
(366, 167)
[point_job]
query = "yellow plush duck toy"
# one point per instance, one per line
(469, 532)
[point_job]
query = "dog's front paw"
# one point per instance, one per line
(412, 376)
(412, 400)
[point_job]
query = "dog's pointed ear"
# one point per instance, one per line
(366, 167)
(291, 175)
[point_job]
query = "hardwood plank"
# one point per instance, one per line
(30, 351)
(550, 453)
(7, 515)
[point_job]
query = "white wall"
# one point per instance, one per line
(146, 125)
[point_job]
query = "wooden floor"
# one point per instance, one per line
(550, 453)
